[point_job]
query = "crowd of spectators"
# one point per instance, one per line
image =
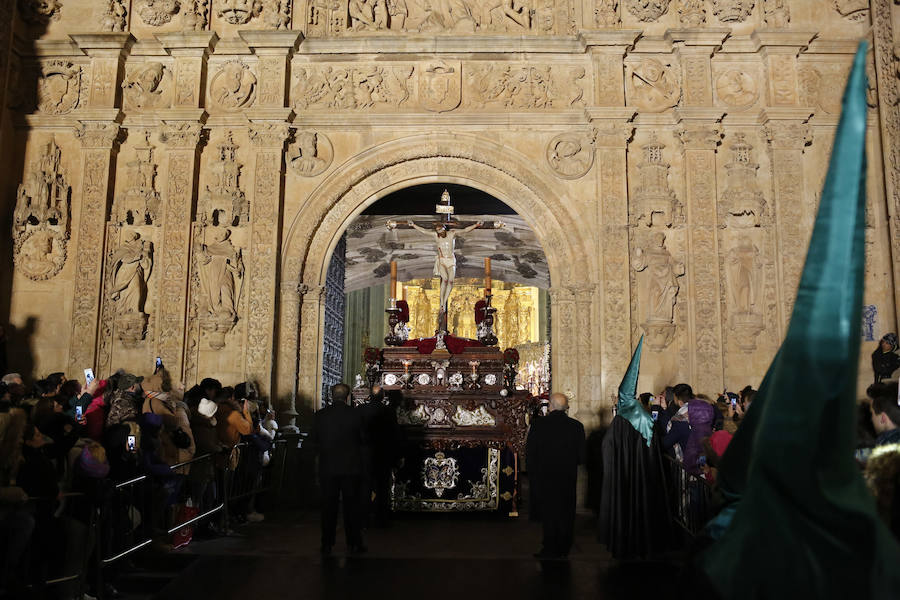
(64, 446)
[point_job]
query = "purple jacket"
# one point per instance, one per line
(700, 415)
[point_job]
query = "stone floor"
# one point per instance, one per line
(433, 557)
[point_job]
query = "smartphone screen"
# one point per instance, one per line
(131, 443)
(79, 413)
(733, 402)
(654, 414)
(158, 364)
(88, 376)
(702, 460)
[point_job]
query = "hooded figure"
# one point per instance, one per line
(634, 518)
(885, 359)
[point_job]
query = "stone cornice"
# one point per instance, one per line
(271, 42)
(454, 120)
(461, 45)
(105, 45)
(610, 40)
(707, 37)
(188, 43)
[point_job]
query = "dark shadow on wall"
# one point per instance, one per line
(19, 348)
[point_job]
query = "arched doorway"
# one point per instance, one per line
(463, 159)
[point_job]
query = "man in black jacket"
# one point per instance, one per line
(337, 435)
(381, 433)
(555, 448)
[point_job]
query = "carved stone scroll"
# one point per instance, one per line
(98, 142)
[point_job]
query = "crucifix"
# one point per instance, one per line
(444, 232)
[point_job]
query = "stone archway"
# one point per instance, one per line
(374, 173)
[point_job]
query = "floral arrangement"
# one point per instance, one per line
(511, 356)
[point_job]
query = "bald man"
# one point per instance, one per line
(555, 449)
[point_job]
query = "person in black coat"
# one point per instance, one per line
(380, 423)
(555, 448)
(338, 437)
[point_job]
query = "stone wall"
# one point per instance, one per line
(178, 171)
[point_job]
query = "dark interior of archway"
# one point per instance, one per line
(359, 269)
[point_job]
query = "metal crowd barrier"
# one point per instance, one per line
(692, 496)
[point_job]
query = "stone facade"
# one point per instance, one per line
(207, 155)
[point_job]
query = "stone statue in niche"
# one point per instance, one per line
(745, 285)
(647, 10)
(143, 88)
(221, 273)
(570, 155)
(238, 12)
(41, 217)
(158, 12)
(131, 265)
(733, 11)
(224, 203)
(39, 12)
(234, 86)
(736, 88)
(59, 87)
(654, 203)
(311, 154)
(140, 203)
(658, 274)
(742, 204)
(654, 86)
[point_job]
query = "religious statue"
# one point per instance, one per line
(658, 288)
(220, 266)
(131, 266)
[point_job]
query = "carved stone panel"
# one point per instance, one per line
(41, 217)
(516, 86)
(311, 154)
(233, 86)
(822, 85)
(606, 13)
(157, 12)
(238, 12)
(652, 85)
(647, 10)
(440, 86)
(39, 12)
(691, 13)
(733, 11)
(736, 87)
(570, 155)
(852, 10)
(341, 87)
(59, 87)
(147, 85)
(777, 13)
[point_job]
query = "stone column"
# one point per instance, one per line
(265, 224)
(699, 141)
(615, 327)
(695, 47)
(607, 49)
(99, 143)
(190, 49)
(107, 52)
(563, 324)
(274, 49)
(173, 254)
(285, 392)
(584, 295)
(787, 139)
(312, 312)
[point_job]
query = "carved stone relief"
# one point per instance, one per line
(113, 18)
(819, 86)
(238, 12)
(196, 14)
(570, 155)
(653, 86)
(351, 88)
(658, 274)
(852, 10)
(277, 14)
(224, 203)
(742, 204)
(737, 88)
(654, 203)
(776, 13)
(130, 266)
(606, 13)
(39, 12)
(41, 217)
(59, 87)
(440, 86)
(744, 276)
(158, 12)
(782, 79)
(311, 154)
(147, 86)
(221, 272)
(139, 204)
(733, 11)
(233, 87)
(647, 10)
(525, 87)
(692, 13)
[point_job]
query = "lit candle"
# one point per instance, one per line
(487, 276)
(404, 293)
(394, 279)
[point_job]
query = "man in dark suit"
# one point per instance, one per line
(337, 434)
(554, 450)
(380, 428)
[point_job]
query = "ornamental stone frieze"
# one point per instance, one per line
(39, 12)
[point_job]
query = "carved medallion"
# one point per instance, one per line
(736, 88)
(234, 86)
(311, 154)
(59, 87)
(238, 12)
(40, 253)
(653, 85)
(818, 89)
(440, 86)
(733, 11)
(647, 10)
(39, 12)
(158, 12)
(144, 88)
(570, 155)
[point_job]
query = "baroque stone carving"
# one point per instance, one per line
(59, 87)
(351, 88)
(238, 12)
(224, 203)
(311, 154)
(733, 11)
(653, 86)
(140, 203)
(647, 10)
(657, 288)
(853, 10)
(742, 204)
(39, 12)
(143, 88)
(606, 13)
(234, 86)
(41, 217)
(158, 12)
(221, 272)
(654, 203)
(736, 88)
(130, 266)
(440, 86)
(744, 274)
(570, 155)
(114, 17)
(692, 13)
(777, 13)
